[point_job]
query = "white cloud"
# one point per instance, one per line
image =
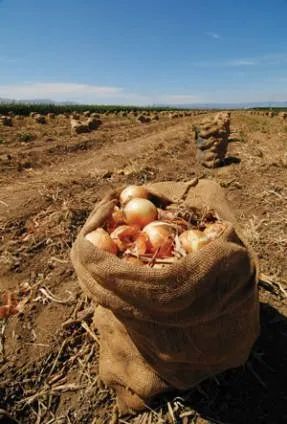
(81, 93)
(242, 62)
(7, 60)
(88, 93)
(267, 59)
(58, 91)
(95, 94)
(212, 34)
(225, 63)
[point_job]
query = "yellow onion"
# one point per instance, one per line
(117, 218)
(161, 237)
(193, 240)
(140, 212)
(213, 231)
(166, 214)
(102, 240)
(124, 236)
(132, 192)
(141, 244)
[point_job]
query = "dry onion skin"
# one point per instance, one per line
(214, 230)
(8, 306)
(132, 192)
(102, 240)
(124, 236)
(117, 218)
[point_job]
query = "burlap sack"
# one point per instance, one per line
(212, 139)
(169, 328)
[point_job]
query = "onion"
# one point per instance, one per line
(132, 192)
(140, 212)
(141, 245)
(161, 236)
(102, 240)
(213, 231)
(117, 218)
(166, 214)
(193, 240)
(124, 236)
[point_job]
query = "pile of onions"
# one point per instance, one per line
(142, 234)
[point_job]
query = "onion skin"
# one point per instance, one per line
(8, 306)
(4, 311)
(161, 237)
(193, 240)
(141, 245)
(140, 212)
(117, 218)
(213, 231)
(165, 214)
(132, 192)
(124, 236)
(102, 240)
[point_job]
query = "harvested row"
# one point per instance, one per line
(50, 365)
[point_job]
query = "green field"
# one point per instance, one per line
(26, 108)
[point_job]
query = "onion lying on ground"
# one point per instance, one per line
(140, 212)
(132, 192)
(102, 240)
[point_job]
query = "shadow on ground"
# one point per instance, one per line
(229, 160)
(256, 393)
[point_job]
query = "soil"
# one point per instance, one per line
(49, 182)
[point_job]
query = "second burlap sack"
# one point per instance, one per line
(171, 328)
(212, 139)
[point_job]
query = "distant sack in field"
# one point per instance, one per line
(6, 121)
(212, 139)
(170, 328)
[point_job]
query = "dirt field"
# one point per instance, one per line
(49, 182)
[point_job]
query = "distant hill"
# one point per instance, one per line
(36, 101)
(242, 105)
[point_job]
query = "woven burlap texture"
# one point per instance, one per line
(169, 328)
(212, 139)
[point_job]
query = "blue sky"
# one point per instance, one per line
(144, 52)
